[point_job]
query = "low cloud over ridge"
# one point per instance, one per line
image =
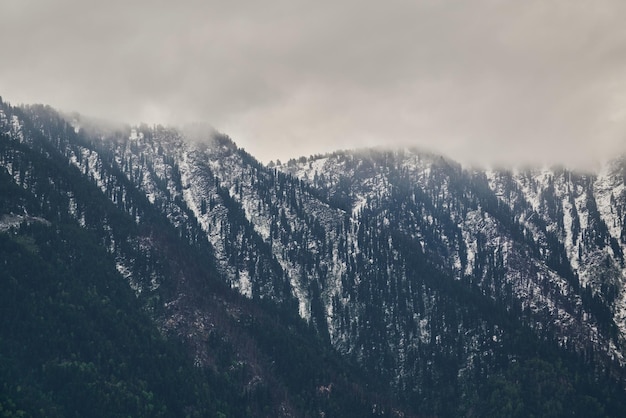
(481, 81)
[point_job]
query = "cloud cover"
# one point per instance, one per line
(480, 81)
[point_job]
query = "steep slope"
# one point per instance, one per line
(385, 254)
(75, 342)
(577, 219)
(454, 287)
(423, 228)
(92, 223)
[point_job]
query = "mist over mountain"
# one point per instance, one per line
(479, 82)
(354, 283)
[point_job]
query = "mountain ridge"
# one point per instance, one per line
(435, 278)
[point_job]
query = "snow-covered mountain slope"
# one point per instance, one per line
(134, 195)
(584, 214)
(495, 232)
(422, 271)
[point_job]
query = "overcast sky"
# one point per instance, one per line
(480, 81)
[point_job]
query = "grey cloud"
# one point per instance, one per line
(487, 80)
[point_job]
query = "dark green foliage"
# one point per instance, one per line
(538, 388)
(74, 342)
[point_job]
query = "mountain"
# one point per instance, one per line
(109, 309)
(367, 282)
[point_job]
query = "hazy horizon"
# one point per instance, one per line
(487, 82)
(592, 165)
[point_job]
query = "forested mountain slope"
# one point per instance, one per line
(464, 291)
(109, 307)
